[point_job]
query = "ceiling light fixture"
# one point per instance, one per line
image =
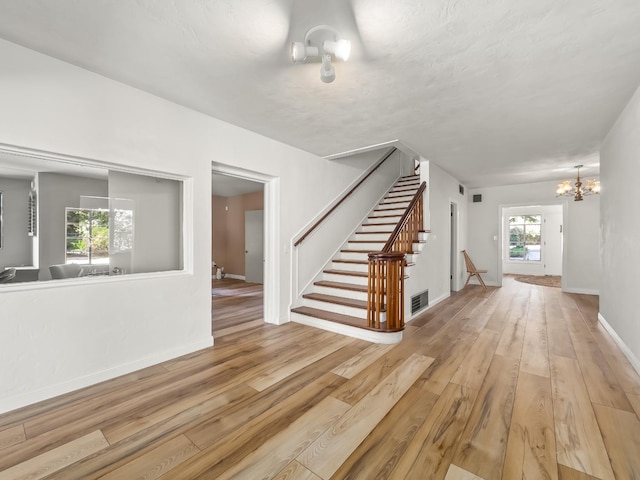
(323, 43)
(566, 189)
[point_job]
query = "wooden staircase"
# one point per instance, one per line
(338, 300)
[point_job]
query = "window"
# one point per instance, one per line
(524, 237)
(87, 239)
(87, 219)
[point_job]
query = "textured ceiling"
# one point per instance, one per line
(498, 92)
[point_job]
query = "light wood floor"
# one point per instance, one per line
(519, 382)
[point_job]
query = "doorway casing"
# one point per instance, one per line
(502, 234)
(271, 235)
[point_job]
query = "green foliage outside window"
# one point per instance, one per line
(525, 237)
(87, 236)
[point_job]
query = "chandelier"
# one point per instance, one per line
(579, 190)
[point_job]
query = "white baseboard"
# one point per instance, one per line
(432, 303)
(582, 291)
(635, 363)
(233, 275)
(28, 398)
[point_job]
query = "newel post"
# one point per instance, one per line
(385, 292)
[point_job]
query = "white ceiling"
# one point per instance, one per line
(498, 92)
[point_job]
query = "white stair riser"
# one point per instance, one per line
(354, 256)
(406, 186)
(335, 308)
(340, 292)
(389, 211)
(378, 219)
(350, 267)
(333, 277)
(361, 268)
(408, 191)
(393, 206)
(399, 197)
(378, 228)
(369, 246)
(372, 237)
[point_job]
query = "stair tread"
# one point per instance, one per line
(385, 216)
(394, 203)
(343, 286)
(346, 272)
(347, 302)
(374, 232)
(367, 241)
(363, 262)
(332, 317)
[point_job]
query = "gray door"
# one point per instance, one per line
(254, 246)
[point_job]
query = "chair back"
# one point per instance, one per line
(470, 266)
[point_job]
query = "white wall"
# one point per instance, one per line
(55, 193)
(57, 338)
(432, 269)
(16, 247)
(619, 228)
(581, 268)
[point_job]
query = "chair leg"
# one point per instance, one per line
(481, 282)
(468, 278)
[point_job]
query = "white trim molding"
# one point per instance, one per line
(633, 360)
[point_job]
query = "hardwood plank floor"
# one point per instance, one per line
(519, 382)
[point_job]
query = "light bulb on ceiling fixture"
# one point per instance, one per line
(341, 49)
(327, 72)
(300, 52)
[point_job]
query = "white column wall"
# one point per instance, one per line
(55, 339)
(620, 230)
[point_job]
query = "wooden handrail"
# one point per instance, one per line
(417, 199)
(347, 195)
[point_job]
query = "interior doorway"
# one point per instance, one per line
(268, 189)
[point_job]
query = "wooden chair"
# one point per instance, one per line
(472, 270)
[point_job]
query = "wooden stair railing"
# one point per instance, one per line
(386, 281)
(385, 291)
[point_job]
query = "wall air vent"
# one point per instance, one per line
(461, 189)
(477, 198)
(419, 301)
